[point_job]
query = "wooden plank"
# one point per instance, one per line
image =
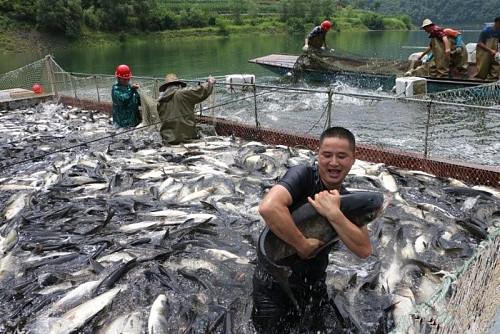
(15, 93)
(286, 61)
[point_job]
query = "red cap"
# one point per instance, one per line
(326, 25)
(123, 71)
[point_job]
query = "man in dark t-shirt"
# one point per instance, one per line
(316, 39)
(487, 48)
(321, 186)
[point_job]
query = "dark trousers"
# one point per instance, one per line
(274, 312)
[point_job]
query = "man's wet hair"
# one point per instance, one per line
(497, 19)
(339, 132)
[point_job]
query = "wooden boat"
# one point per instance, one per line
(283, 64)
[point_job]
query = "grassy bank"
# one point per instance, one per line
(17, 37)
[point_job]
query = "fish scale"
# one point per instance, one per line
(144, 182)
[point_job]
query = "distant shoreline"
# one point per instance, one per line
(24, 38)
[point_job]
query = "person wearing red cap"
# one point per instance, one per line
(126, 100)
(316, 40)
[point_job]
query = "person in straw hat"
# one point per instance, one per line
(447, 50)
(176, 108)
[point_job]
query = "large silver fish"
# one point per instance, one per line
(359, 207)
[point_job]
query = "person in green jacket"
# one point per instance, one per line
(176, 108)
(126, 100)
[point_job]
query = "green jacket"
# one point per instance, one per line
(176, 111)
(126, 102)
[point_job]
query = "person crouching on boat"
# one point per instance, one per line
(488, 52)
(126, 100)
(447, 51)
(316, 40)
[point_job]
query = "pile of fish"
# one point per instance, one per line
(125, 235)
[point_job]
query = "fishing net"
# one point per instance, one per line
(482, 95)
(26, 76)
(427, 126)
(460, 306)
(333, 63)
(149, 110)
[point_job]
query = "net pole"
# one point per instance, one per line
(97, 89)
(427, 125)
(257, 124)
(329, 120)
(73, 85)
(155, 89)
(50, 73)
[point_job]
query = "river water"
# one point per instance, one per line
(197, 57)
(455, 133)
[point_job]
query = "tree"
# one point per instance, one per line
(73, 18)
(297, 8)
(238, 7)
(285, 10)
(328, 7)
(314, 11)
(253, 9)
(50, 15)
(373, 21)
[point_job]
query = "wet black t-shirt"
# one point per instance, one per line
(301, 182)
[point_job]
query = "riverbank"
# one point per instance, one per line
(16, 37)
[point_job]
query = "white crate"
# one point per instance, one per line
(410, 86)
(239, 79)
(471, 52)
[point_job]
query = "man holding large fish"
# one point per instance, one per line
(290, 293)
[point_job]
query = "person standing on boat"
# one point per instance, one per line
(445, 53)
(126, 100)
(316, 40)
(321, 186)
(176, 108)
(488, 52)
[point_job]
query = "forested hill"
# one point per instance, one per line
(442, 11)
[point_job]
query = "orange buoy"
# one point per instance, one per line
(37, 89)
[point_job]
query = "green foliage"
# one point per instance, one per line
(296, 25)
(22, 10)
(373, 21)
(90, 18)
(444, 12)
(393, 24)
(238, 7)
(192, 18)
(252, 9)
(314, 12)
(71, 17)
(222, 28)
(406, 20)
(169, 20)
(212, 20)
(50, 15)
(60, 16)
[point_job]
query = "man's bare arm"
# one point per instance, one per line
(485, 47)
(274, 210)
(357, 239)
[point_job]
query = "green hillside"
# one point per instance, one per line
(97, 21)
(449, 12)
